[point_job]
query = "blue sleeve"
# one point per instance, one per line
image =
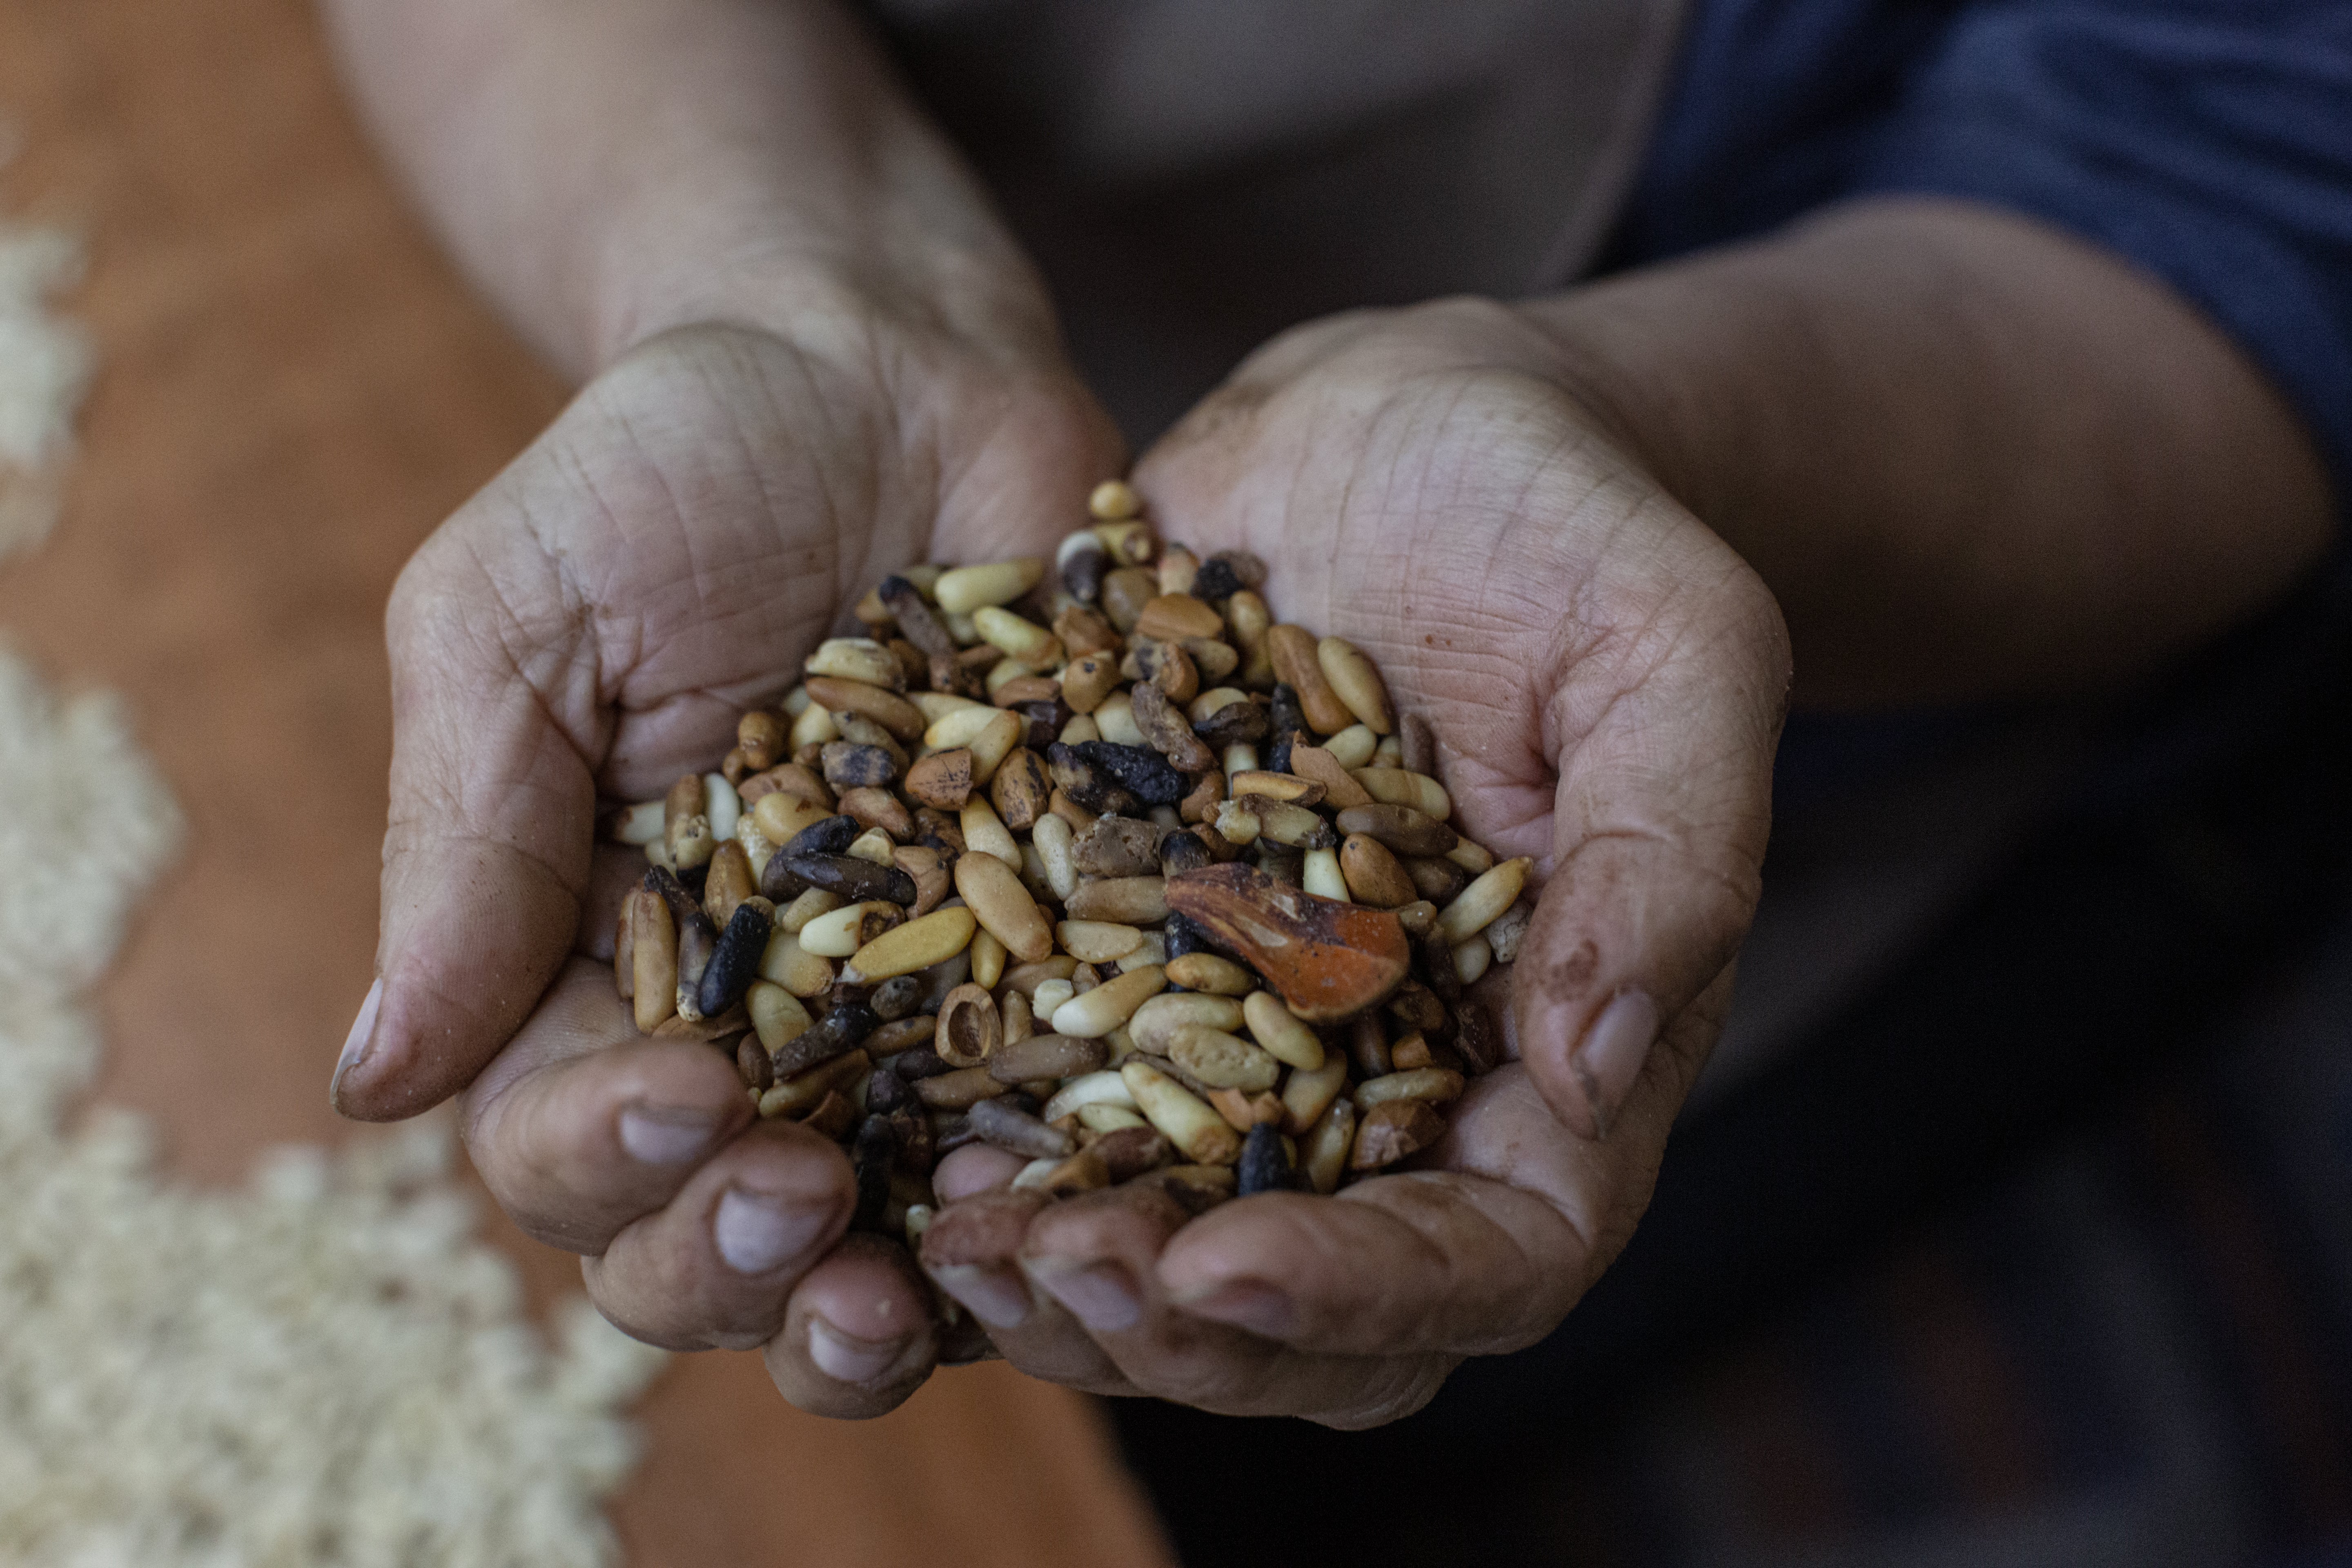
(2207, 141)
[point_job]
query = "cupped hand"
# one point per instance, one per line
(1606, 682)
(593, 624)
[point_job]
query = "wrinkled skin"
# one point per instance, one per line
(1605, 678)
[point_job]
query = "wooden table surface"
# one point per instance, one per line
(294, 388)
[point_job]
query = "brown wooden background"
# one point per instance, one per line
(295, 389)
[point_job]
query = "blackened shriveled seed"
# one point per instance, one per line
(1235, 724)
(839, 1032)
(871, 1156)
(853, 880)
(1477, 1040)
(1434, 964)
(735, 963)
(831, 836)
(1278, 756)
(1139, 770)
(1182, 852)
(916, 618)
(1084, 571)
(885, 1091)
(1286, 716)
(919, 1062)
(1008, 1127)
(1076, 778)
(1119, 846)
(1045, 722)
(697, 940)
(778, 885)
(950, 1133)
(894, 999)
(848, 765)
(1264, 1167)
(1216, 580)
(913, 1131)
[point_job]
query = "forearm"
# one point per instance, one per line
(1971, 455)
(607, 172)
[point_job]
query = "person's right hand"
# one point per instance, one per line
(592, 623)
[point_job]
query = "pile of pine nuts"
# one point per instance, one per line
(1099, 864)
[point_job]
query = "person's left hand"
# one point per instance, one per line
(1606, 679)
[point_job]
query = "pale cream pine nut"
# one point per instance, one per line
(1098, 942)
(856, 658)
(1116, 720)
(1181, 1117)
(874, 846)
(1297, 826)
(1079, 731)
(1047, 999)
(1053, 840)
(1275, 786)
(1472, 858)
(1507, 930)
(757, 849)
(1108, 1118)
(1153, 949)
(937, 705)
(841, 933)
(1129, 542)
(787, 963)
(1394, 786)
(777, 1015)
(917, 945)
(815, 726)
(1021, 639)
(1003, 673)
(1434, 1085)
(997, 739)
(1178, 568)
(1358, 682)
(1482, 901)
(961, 590)
(1236, 824)
(1222, 1060)
(793, 917)
(1003, 905)
(919, 1220)
(640, 823)
(1013, 1012)
(1389, 754)
(780, 816)
(1473, 959)
(987, 956)
(1113, 500)
(1109, 1004)
(1155, 1024)
(1036, 1172)
(900, 717)
(795, 702)
(1240, 758)
(652, 942)
(1273, 1025)
(1352, 747)
(1032, 872)
(1309, 1091)
(1207, 972)
(984, 833)
(1322, 878)
(1214, 700)
(956, 728)
(1323, 1153)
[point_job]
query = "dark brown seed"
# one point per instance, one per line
(885, 1091)
(1398, 828)
(1193, 1189)
(1413, 1005)
(762, 738)
(1020, 789)
(1478, 1040)
(1438, 882)
(735, 960)
(1047, 1055)
(1084, 632)
(858, 881)
(1368, 1048)
(1164, 725)
(951, 1131)
(1023, 689)
(833, 1118)
(841, 1030)
(848, 765)
(1182, 852)
(1281, 862)
(1265, 1166)
(1018, 1130)
(1131, 1151)
(943, 779)
(918, 1062)
(1119, 846)
(1139, 770)
(986, 1227)
(1372, 874)
(1235, 724)
(901, 1035)
(831, 836)
(1045, 721)
(915, 618)
(958, 1091)
(752, 1063)
(872, 1155)
(1393, 1130)
(894, 999)
(918, 1148)
(1083, 1172)
(1074, 777)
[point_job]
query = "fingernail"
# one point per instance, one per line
(845, 1358)
(356, 1044)
(666, 1134)
(992, 1293)
(1102, 1296)
(758, 1232)
(1608, 1061)
(1250, 1304)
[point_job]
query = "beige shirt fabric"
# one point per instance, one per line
(1195, 175)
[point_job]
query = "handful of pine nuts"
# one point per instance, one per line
(1099, 864)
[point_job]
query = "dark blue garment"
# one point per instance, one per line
(2207, 141)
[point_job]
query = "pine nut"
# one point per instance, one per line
(1108, 1006)
(1434, 1085)
(847, 929)
(1356, 683)
(1323, 1156)
(917, 945)
(963, 590)
(653, 943)
(1394, 786)
(1277, 1028)
(777, 1015)
(1182, 1117)
(1154, 1024)
(1208, 972)
(987, 956)
(1023, 640)
(1353, 747)
(1003, 905)
(1473, 959)
(856, 658)
(1296, 664)
(1222, 1060)
(1098, 942)
(1482, 901)
(1322, 876)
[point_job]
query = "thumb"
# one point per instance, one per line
(488, 851)
(1665, 736)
